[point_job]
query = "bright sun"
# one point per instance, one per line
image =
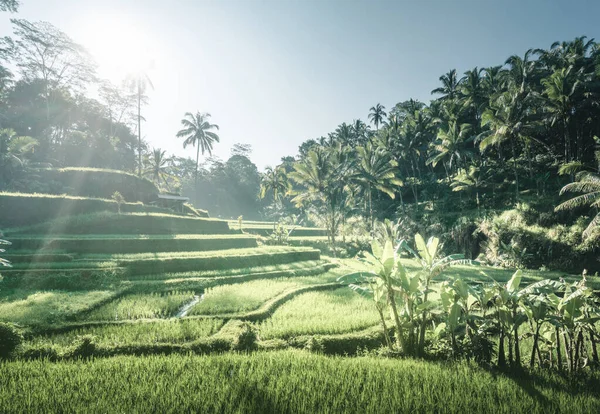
(118, 46)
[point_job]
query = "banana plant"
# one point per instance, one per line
(426, 255)
(386, 274)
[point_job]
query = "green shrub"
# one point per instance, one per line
(10, 339)
(315, 344)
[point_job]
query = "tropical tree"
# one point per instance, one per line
(452, 147)
(157, 167)
(323, 176)
(377, 115)
(376, 170)
(589, 184)
(275, 180)
(198, 132)
(471, 179)
(450, 88)
(139, 82)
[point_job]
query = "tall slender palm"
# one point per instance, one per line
(508, 122)
(376, 169)
(474, 93)
(139, 82)
(158, 165)
(197, 132)
(275, 180)
(450, 86)
(377, 115)
(451, 146)
(561, 90)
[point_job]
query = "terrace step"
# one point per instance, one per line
(224, 260)
(114, 244)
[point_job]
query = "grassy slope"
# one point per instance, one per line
(282, 382)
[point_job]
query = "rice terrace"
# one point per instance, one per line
(441, 256)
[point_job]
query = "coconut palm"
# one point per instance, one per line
(139, 83)
(450, 86)
(376, 169)
(451, 146)
(377, 115)
(469, 179)
(276, 181)
(589, 184)
(158, 165)
(508, 122)
(197, 132)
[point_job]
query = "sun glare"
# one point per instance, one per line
(118, 46)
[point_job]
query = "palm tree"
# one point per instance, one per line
(158, 166)
(376, 169)
(474, 93)
(450, 86)
(451, 145)
(469, 179)
(561, 90)
(377, 115)
(139, 82)
(589, 184)
(507, 120)
(197, 132)
(277, 181)
(323, 174)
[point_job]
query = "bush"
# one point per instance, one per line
(10, 339)
(314, 344)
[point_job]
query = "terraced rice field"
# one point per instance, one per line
(124, 294)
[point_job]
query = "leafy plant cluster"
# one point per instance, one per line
(456, 317)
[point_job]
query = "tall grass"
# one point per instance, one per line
(38, 308)
(282, 382)
(145, 333)
(142, 306)
(332, 312)
(243, 297)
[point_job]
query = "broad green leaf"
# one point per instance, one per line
(388, 258)
(439, 329)
(377, 250)
(454, 315)
(422, 249)
(515, 281)
(432, 247)
(357, 277)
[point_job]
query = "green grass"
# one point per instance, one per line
(109, 222)
(338, 311)
(282, 382)
(38, 308)
(248, 296)
(141, 306)
(115, 244)
(218, 260)
(134, 333)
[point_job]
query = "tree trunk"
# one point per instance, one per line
(399, 331)
(594, 349)
(139, 129)
(501, 355)
(385, 330)
(423, 322)
(535, 341)
(196, 173)
(514, 155)
(558, 350)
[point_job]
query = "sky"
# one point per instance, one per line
(274, 73)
